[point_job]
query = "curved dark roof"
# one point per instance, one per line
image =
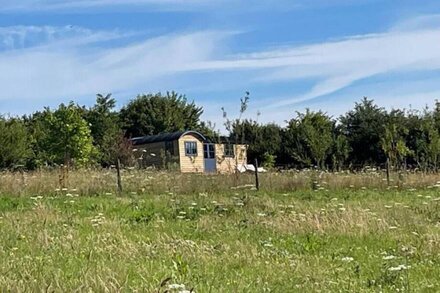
(165, 137)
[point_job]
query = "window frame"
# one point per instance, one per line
(191, 145)
(209, 151)
(229, 147)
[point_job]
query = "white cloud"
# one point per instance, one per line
(63, 63)
(338, 64)
(69, 67)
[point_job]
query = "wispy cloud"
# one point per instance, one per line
(49, 63)
(337, 64)
(22, 37)
(69, 67)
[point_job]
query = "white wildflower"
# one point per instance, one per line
(399, 268)
(388, 257)
(347, 259)
(176, 286)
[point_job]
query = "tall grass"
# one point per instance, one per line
(103, 181)
(347, 241)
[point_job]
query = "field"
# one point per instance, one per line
(336, 234)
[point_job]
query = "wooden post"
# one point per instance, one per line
(257, 182)
(388, 171)
(118, 171)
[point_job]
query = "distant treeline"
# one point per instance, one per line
(367, 135)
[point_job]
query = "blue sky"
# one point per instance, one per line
(290, 54)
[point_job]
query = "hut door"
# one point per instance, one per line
(209, 156)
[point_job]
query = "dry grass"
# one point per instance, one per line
(98, 182)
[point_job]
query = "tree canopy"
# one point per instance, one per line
(157, 113)
(367, 135)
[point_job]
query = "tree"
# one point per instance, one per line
(393, 140)
(264, 140)
(65, 136)
(105, 129)
(14, 143)
(308, 138)
(341, 150)
(363, 126)
(154, 114)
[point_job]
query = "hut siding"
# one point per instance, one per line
(229, 164)
(193, 164)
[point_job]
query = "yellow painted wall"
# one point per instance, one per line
(228, 164)
(193, 164)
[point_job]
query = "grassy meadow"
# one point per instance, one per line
(302, 232)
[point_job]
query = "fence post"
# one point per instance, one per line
(257, 181)
(118, 171)
(388, 171)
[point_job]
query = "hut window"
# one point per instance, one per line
(190, 148)
(229, 150)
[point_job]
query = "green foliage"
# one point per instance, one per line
(341, 150)
(308, 138)
(269, 160)
(263, 139)
(364, 127)
(64, 136)
(366, 135)
(106, 131)
(393, 140)
(14, 143)
(153, 114)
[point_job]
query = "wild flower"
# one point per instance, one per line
(261, 214)
(399, 268)
(176, 286)
(347, 259)
(388, 257)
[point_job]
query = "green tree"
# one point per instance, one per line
(341, 150)
(154, 114)
(65, 136)
(264, 140)
(393, 141)
(105, 129)
(309, 138)
(363, 126)
(14, 143)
